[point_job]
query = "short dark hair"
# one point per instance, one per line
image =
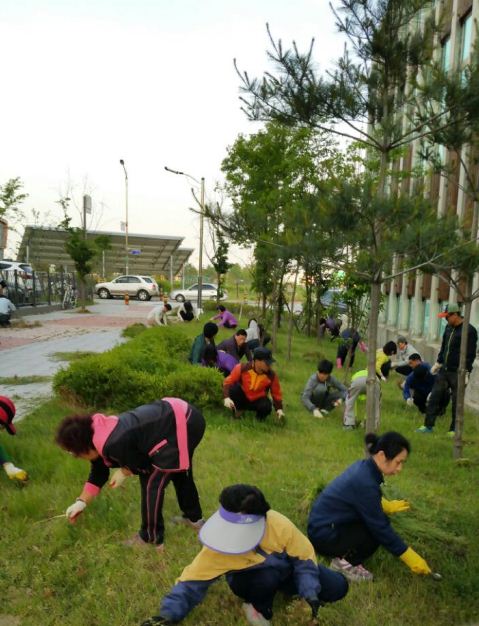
(391, 443)
(325, 367)
(241, 331)
(244, 499)
(210, 329)
(168, 307)
(221, 308)
(75, 434)
(415, 357)
(210, 353)
(390, 348)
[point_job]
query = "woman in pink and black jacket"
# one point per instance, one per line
(155, 441)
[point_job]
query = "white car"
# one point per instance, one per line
(208, 292)
(141, 287)
(23, 269)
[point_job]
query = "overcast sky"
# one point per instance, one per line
(87, 82)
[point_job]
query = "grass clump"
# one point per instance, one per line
(72, 356)
(23, 380)
(133, 330)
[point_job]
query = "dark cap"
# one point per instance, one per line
(7, 413)
(263, 354)
(450, 308)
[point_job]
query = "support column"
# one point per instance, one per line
(404, 305)
(433, 334)
(418, 319)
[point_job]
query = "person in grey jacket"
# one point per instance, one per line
(323, 392)
(405, 351)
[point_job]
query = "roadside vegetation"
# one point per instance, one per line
(82, 574)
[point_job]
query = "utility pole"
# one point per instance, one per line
(200, 259)
(122, 163)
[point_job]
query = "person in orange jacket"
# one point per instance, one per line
(247, 387)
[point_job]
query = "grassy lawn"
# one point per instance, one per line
(53, 573)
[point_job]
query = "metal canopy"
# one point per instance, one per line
(148, 254)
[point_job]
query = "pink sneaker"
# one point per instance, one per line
(355, 573)
(254, 617)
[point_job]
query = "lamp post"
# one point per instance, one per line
(122, 163)
(199, 301)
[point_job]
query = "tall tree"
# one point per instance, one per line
(367, 99)
(11, 197)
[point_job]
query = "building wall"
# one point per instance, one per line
(412, 305)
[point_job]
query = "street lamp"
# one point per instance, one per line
(122, 163)
(199, 301)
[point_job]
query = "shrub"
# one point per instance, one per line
(133, 330)
(150, 366)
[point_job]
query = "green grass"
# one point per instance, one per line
(71, 356)
(53, 573)
(23, 380)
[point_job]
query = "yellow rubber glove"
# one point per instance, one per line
(415, 562)
(394, 506)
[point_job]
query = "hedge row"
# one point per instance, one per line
(151, 365)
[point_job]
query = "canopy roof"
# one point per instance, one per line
(148, 254)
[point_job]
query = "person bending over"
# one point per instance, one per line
(261, 553)
(349, 519)
(155, 441)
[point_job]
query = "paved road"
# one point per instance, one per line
(28, 351)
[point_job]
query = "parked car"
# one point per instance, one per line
(208, 291)
(23, 269)
(141, 287)
(331, 299)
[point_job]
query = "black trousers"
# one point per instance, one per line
(154, 483)
(259, 586)
(228, 325)
(445, 386)
(353, 542)
(342, 353)
(420, 400)
(262, 406)
(405, 370)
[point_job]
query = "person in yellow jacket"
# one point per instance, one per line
(349, 520)
(261, 552)
(383, 359)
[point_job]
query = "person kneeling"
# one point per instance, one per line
(349, 519)
(261, 552)
(246, 388)
(323, 392)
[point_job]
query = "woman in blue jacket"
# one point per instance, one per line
(261, 552)
(349, 519)
(155, 441)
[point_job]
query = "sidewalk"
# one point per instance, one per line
(29, 351)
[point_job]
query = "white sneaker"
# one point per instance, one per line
(254, 617)
(179, 519)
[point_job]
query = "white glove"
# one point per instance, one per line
(229, 404)
(75, 510)
(466, 380)
(410, 402)
(280, 414)
(436, 367)
(338, 402)
(383, 378)
(317, 413)
(15, 473)
(118, 479)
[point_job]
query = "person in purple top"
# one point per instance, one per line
(219, 359)
(225, 317)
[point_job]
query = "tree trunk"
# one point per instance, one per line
(291, 314)
(461, 373)
(372, 384)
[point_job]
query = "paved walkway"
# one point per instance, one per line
(29, 351)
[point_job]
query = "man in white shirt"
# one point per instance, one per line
(6, 308)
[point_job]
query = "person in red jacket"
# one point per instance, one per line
(247, 387)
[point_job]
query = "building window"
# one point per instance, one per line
(466, 37)
(446, 53)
